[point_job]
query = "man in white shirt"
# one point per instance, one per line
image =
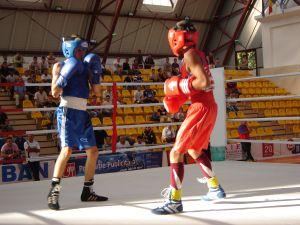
(46, 77)
(32, 149)
(123, 143)
(41, 98)
(168, 134)
(138, 95)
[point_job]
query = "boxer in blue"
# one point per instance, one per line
(71, 80)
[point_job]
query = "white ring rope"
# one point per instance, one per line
(264, 76)
(266, 119)
(102, 84)
(264, 98)
(264, 141)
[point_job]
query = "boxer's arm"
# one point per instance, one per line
(194, 65)
(55, 90)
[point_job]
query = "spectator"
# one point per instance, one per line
(163, 114)
(20, 140)
(122, 143)
(41, 98)
(167, 67)
(126, 65)
(140, 60)
(135, 65)
(232, 88)
(244, 134)
(20, 93)
(179, 116)
(153, 76)
(155, 117)
(218, 63)
(107, 101)
(10, 150)
(5, 70)
(175, 67)
(211, 60)
(138, 78)
(149, 96)
(26, 76)
(139, 142)
(231, 107)
(101, 139)
(51, 59)
(244, 63)
(138, 95)
(46, 77)
(149, 136)
(117, 66)
(18, 60)
(34, 65)
(4, 122)
(161, 75)
(168, 134)
(32, 149)
(149, 62)
(44, 66)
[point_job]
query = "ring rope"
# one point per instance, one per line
(264, 76)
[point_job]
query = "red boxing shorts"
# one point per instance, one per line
(194, 133)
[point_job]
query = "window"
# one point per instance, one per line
(246, 59)
(159, 5)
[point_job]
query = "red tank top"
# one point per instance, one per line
(203, 95)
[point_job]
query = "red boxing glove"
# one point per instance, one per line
(172, 104)
(176, 86)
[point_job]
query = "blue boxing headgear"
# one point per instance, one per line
(70, 45)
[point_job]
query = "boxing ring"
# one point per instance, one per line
(258, 193)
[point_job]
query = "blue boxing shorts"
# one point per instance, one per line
(75, 128)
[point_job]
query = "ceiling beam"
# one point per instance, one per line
(76, 12)
(93, 20)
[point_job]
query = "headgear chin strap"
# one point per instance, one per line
(69, 45)
(182, 36)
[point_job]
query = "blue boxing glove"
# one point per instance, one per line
(94, 64)
(70, 67)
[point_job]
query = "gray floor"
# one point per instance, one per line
(258, 193)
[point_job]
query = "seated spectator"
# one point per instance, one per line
(35, 65)
(51, 60)
(44, 66)
(11, 77)
(161, 75)
(153, 76)
(5, 70)
(20, 140)
(179, 116)
(167, 68)
(126, 66)
(20, 93)
(122, 143)
(10, 150)
(155, 117)
(107, 101)
(149, 96)
(26, 76)
(135, 65)
(231, 107)
(41, 98)
(4, 122)
(139, 142)
(163, 114)
(148, 136)
(32, 149)
(244, 63)
(138, 95)
(218, 63)
(211, 60)
(18, 60)
(232, 87)
(46, 78)
(101, 139)
(149, 62)
(175, 64)
(138, 78)
(140, 60)
(168, 134)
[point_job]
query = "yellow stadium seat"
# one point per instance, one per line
(240, 114)
(258, 91)
(275, 104)
(140, 130)
(107, 121)
(269, 105)
(128, 111)
(264, 91)
(119, 120)
(27, 104)
(288, 112)
(288, 103)
(156, 130)
(274, 112)
(294, 104)
(260, 131)
(239, 84)
(121, 132)
(236, 124)
(109, 132)
(126, 93)
(130, 131)
(229, 124)
(232, 115)
(296, 129)
(253, 133)
(282, 104)
(120, 111)
(267, 113)
(254, 105)
(281, 122)
(259, 84)
(234, 134)
(251, 91)
(281, 112)
(160, 93)
(140, 119)
(261, 105)
(129, 120)
(252, 84)
(45, 122)
(116, 78)
(96, 121)
(127, 100)
(295, 112)
(38, 78)
(138, 110)
(246, 84)
(269, 131)
(270, 91)
(244, 91)
(148, 109)
(20, 70)
(36, 115)
(107, 78)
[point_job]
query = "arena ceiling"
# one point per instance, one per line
(33, 26)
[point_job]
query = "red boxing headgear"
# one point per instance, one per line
(180, 39)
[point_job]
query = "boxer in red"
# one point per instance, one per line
(196, 84)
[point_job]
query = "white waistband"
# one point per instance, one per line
(73, 102)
